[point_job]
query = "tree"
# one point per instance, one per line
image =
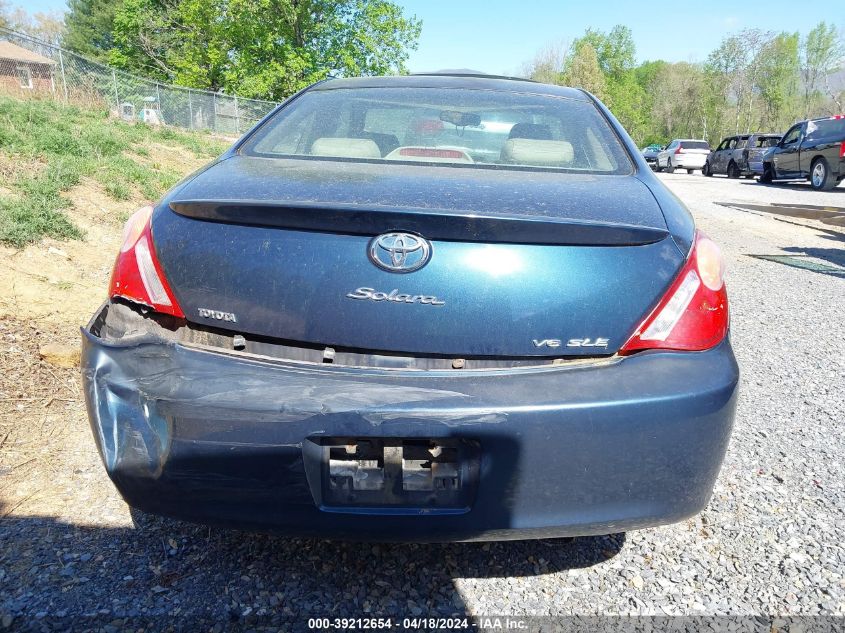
(735, 68)
(583, 71)
(261, 48)
(615, 51)
(822, 52)
(548, 64)
(615, 56)
(778, 82)
(4, 20)
(49, 27)
(89, 27)
(684, 106)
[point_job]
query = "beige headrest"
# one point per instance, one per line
(529, 151)
(345, 147)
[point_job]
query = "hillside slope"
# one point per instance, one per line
(69, 178)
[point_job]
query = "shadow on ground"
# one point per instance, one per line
(198, 574)
(798, 185)
(835, 256)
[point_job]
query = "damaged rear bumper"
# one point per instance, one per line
(220, 437)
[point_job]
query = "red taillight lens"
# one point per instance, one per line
(693, 314)
(137, 275)
(842, 149)
(678, 151)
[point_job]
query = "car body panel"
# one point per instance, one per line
(799, 149)
(307, 275)
(690, 158)
(758, 145)
(729, 150)
(744, 151)
(650, 155)
(219, 437)
(234, 420)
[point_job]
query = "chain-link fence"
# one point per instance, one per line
(31, 67)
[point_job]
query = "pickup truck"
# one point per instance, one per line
(811, 150)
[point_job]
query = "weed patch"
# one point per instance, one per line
(75, 143)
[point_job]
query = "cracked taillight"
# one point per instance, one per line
(137, 275)
(693, 314)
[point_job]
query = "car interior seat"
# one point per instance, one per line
(345, 147)
(539, 153)
(536, 131)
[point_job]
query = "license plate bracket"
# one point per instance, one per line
(422, 475)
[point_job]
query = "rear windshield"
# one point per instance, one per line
(826, 128)
(472, 128)
(766, 141)
(695, 144)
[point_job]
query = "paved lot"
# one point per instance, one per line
(770, 542)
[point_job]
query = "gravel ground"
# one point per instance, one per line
(770, 542)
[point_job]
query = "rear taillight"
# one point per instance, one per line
(137, 275)
(679, 150)
(842, 149)
(693, 314)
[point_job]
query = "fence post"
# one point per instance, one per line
(62, 67)
(237, 117)
(214, 108)
(190, 111)
(116, 96)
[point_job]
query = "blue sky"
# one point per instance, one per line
(498, 36)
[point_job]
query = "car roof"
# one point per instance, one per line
(458, 80)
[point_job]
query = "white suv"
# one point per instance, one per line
(683, 153)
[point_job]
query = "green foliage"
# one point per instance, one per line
(753, 81)
(822, 51)
(605, 65)
(779, 80)
(70, 144)
(89, 26)
(36, 210)
(261, 48)
(615, 51)
(583, 71)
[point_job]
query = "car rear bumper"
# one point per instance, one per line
(224, 438)
(689, 161)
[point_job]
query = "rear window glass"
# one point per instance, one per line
(766, 141)
(472, 128)
(695, 144)
(825, 128)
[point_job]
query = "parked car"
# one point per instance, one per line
(811, 150)
(689, 154)
(734, 155)
(757, 148)
(357, 323)
(650, 154)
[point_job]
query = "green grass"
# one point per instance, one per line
(73, 143)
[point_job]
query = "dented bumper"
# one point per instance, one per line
(227, 438)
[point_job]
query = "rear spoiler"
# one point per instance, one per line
(434, 224)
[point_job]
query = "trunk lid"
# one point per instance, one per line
(523, 263)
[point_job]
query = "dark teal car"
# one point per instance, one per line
(417, 308)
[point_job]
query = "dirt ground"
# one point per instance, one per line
(48, 290)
